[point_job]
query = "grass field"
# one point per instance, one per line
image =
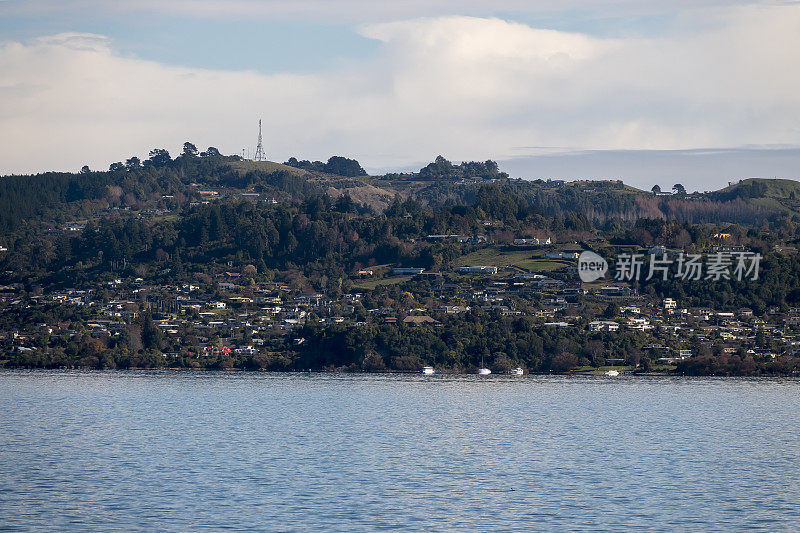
(265, 166)
(510, 256)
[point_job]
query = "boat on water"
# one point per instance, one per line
(612, 373)
(517, 371)
(428, 370)
(483, 371)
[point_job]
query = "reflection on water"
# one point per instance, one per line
(184, 451)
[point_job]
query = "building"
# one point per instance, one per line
(478, 270)
(405, 271)
(421, 320)
(532, 242)
(669, 303)
(563, 255)
(603, 325)
(613, 290)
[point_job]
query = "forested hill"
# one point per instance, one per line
(36, 202)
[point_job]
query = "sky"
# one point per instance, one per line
(705, 91)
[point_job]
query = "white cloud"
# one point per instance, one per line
(466, 87)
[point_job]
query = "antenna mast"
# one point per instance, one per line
(260, 148)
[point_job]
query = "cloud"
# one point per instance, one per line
(466, 87)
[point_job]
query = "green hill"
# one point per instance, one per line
(766, 188)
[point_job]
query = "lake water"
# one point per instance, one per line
(177, 451)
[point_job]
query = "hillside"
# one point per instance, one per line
(781, 189)
(171, 262)
(45, 200)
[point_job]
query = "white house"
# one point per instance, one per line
(533, 241)
(603, 325)
(478, 270)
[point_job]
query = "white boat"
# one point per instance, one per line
(517, 371)
(612, 373)
(427, 370)
(484, 371)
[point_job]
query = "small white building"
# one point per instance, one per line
(405, 271)
(532, 242)
(246, 350)
(603, 325)
(478, 270)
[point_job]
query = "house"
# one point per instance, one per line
(246, 350)
(405, 271)
(574, 291)
(562, 255)
(454, 309)
(603, 325)
(478, 270)
(669, 303)
(216, 350)
(638, 324)
(533, 241)
(613, 290)
(441, 237)
(548, 282)
(422, 320)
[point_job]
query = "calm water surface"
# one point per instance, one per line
(185, 451)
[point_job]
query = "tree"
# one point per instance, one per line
(679, 189)
(159, 157)
(116, 167)
(210, 152)
(373, 362)
(343, 166)
(440, 168)
(189, 150)
(563, 362)
(133, 162)
(85, 169)
(151, 334)
(656, 189)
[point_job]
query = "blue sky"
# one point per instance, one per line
(265, 46)
(395, 84)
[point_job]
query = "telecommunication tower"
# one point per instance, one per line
(260, 148)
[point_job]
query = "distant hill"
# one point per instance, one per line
(44, 200)
(764, 188)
